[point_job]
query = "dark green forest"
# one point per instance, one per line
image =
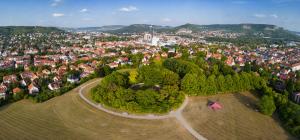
(16, 30)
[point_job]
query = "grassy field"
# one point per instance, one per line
(68, 117)
(126, 70)
(238, 120)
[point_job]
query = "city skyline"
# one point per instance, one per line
(79, 13)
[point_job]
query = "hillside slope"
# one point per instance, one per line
(249, 30)
(13, 30)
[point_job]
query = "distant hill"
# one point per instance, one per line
(228, 27)
(297, 33)
(258, 30)
(140, 28)
(250, 30)
(12, 30)
(136, 28)
(94, 29)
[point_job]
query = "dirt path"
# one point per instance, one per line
(176, 113)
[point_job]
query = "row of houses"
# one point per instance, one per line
(282, 62)
(28, 79)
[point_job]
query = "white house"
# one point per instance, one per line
(53, 86)
(23, 83)
(33, 89)
(297, 97)
(73, 79)
(3, 90)
(295, 66)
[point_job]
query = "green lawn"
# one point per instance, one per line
(238, 120)
(69, 117)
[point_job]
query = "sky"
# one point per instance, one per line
(87, 13)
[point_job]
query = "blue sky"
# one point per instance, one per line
(83, 13)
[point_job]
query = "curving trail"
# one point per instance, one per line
(173, 114)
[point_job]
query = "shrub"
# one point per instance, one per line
(267, 105)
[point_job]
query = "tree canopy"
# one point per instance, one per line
(157, 90)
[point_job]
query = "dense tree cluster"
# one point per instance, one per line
(217, 78)
(150, 89)
(182, 67)
(103, 71)
(290, 116)
(195, 84)
(289, 112)
(271, 101)
(267, 105)
(282, 96)
(16, 30)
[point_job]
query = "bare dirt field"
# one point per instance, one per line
(237, 120)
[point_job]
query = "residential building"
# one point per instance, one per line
(3, 90)
(33, 89)
(297, 97)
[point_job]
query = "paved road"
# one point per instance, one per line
(175, 113)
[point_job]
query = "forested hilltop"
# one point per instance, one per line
(16, 30)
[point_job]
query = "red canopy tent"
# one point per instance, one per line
(215, 106)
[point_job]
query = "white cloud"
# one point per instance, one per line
(265, 16)
(58, 14)
(83, 10)
(274, 16)
(260, 15)
(166, 20)
(128, 9)
(56, 3)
